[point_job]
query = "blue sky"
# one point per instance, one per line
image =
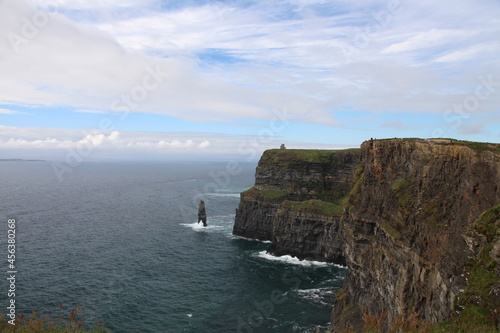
(151, 79)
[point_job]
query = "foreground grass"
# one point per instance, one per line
(73, 323)
(412, 324)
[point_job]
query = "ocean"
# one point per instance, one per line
(121, 240)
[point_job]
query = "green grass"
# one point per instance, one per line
(481, 146)
(488, 223)
(249, 194)
(273, 194)
(477, 146)
(477, 300)
(461, 328)
(399, 184)
(353, 196)
(314, 205)
(403, 194)
(390, 230)
(281, 156)
(341, 295)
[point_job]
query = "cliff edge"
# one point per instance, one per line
(416, 221)
(296, 202)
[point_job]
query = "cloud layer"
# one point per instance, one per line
(236, 62)
(57, 144)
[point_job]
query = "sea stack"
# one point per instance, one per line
(202, 214)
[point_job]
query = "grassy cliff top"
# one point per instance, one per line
(307, 155)
(477, 146)
(320, 155)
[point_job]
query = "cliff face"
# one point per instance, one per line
(254, 216)
(308, 234)
(293, 176)
(409, 227)
(404, 215)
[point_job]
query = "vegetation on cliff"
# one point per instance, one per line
(352, 197)
(72, 323)
(302, 174)
(479, 304)
(412, 324)
(315, 206)
(477, 146)
(269, 194)
(285, 156)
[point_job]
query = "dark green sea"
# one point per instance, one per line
(121, 240)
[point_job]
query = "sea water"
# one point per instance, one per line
(121, 240)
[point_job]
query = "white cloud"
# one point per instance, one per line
(426, 39)
(471, 53)
(91, 111)
(68, 63)
(204, 144)
(227, 62)
(57, 144)
(89, 4)
(94, 139)
(161, 143)
(7, 111)
(176, 144)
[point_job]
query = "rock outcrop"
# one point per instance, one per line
(409, 227)
(202, 213)
(291, 177)
(411, 218)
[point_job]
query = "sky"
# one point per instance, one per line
(187, 80)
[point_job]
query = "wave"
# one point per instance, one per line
(199, 227)
(317, 295)
(252, 239)
(293, 260)
(234, 195)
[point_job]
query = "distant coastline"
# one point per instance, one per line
(19, 160)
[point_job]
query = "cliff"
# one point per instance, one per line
(409, 227)
(295, 202)
(415, 221)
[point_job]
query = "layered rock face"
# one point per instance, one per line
(307, 234)
(408, 227)
(294, 176)
(401, 213)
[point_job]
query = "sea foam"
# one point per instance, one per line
(292, 260)
(199, 227)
